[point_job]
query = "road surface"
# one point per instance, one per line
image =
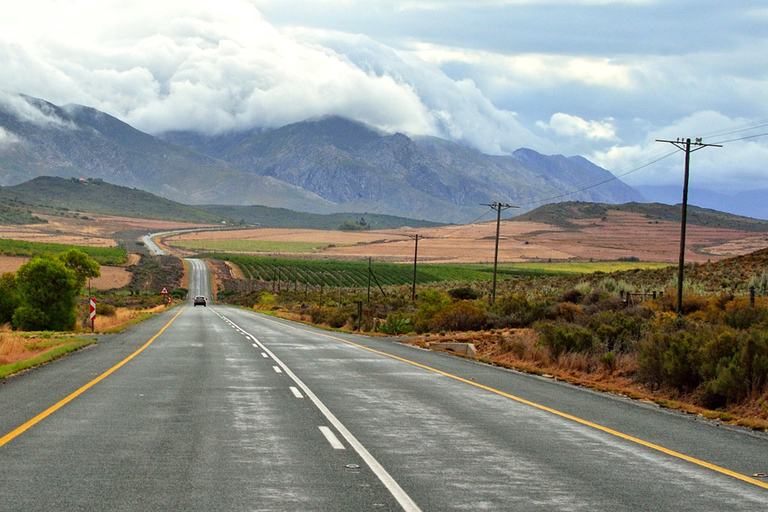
(219, 408)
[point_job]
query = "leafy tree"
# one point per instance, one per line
(9, 296)
(83, 266)
(48, 292)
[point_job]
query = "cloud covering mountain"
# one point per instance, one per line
(599, 78)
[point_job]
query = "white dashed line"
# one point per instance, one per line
(335, 443)
(264, 355)
(277, 369)
(296, 392)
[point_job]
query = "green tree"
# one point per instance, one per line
(48, 292)
(9, 296)
(83, 266)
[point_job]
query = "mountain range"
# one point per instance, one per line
(322, 165)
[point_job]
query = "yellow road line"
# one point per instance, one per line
(40, 417)
(567, 416)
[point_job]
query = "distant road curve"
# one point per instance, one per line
(154, 249)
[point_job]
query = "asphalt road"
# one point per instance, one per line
(226, 409)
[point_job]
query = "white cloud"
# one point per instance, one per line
(566, 125)
(7, 138)
(735, 167)
(600, 78)
(39, 115)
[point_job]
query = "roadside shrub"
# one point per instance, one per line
(396, 324)
(517, 311)
(429, 304)
(179, 293)
(618, 331)
(608, 362)
(573, 296)
(568, 311)
(673, 359)
(338, 318)
(460, 316)
(464, 293)
(103, 309)
(740, 315)
(561, 337)
(317, 314)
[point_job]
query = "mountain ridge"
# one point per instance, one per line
(324, 165)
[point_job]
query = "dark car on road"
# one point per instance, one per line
(200, 301)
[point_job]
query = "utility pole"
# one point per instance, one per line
(685, 145)
(499, 207)
(369, 279)
(415, 256)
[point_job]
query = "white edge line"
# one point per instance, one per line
(331, 437)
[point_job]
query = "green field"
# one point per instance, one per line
(574, 267)
(251, 246)
(347, 273)
(355, 273)
(103, 255)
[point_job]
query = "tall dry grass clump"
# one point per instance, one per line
(11, 348)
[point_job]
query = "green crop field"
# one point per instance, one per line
(103, 255)
(250, 246)
(573, 267)
(347, 273)
(355, 273)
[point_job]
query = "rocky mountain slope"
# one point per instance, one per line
(325, 165)
(354, 165)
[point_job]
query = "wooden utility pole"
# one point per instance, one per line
(685, 145)
(415, 257)
(499, 207)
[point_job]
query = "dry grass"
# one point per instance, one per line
(124, 316)
(12, 348)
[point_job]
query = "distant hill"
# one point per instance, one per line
(562, 215)
(282, 218)
(54, 195)
(49, 194)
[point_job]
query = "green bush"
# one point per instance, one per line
(9, 297)
(464, 293)
(48, 291)
(103, 309)
(180, 293)
(460, 316)
(338, 318)
(429, 304)
(741, 316)
(561, 337)
(396, 324)
(517, 311)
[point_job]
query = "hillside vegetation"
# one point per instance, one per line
(51, 195)
(562, 215)
(102, 255)
(289, 219)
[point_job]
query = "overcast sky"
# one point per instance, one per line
(599, 78)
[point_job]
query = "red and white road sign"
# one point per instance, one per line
(164, 291)
(93, 308)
